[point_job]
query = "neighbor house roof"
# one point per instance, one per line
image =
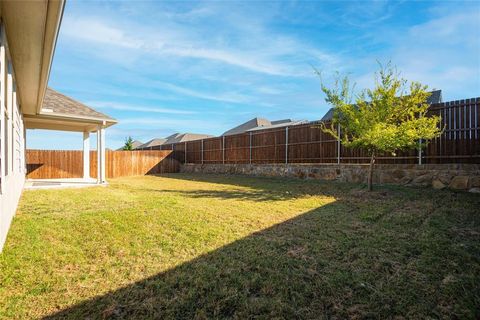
(250, 124)
(435, 97)
(280, 124)
(183, 137)
(152, 143)
(136, 144)
(259, 124)
(328, 116)
(59, 104)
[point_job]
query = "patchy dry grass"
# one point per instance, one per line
(186, 246)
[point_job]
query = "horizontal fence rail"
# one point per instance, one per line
(56, 164)
(307, 143)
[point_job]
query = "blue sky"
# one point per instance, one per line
(204, 67)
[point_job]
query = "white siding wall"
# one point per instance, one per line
(12, 144)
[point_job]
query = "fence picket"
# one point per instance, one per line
(53, 164)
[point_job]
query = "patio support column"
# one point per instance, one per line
(86, 155)
(101, 177)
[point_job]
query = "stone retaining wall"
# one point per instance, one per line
(439, 176)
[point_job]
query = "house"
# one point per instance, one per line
(28, 35)
(279, 124)
(174, 138)
(261, 123)
(184, 137)
(435, 97)
(135, 145)
(151, 144)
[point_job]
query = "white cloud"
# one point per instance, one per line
(245, 60)
(443, 53)
(366, 14)
(231, 97)
(92, 30)
(263, 53)
(454, 28)
(126, 107)
(175, 124)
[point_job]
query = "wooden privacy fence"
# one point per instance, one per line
(51, 164)
(306, 143)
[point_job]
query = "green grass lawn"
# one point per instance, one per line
(197, 246)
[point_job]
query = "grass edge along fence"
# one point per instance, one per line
(307, 143)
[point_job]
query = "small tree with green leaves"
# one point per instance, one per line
(128, 144)
(388, 118)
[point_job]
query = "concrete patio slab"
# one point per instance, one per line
(35, 184)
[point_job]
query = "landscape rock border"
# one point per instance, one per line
(439, 176)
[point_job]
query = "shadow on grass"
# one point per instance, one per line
(333, 261)
(229, 194)
(280, 188)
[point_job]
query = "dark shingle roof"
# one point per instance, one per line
(328, 116)
(57, 103)
(435, 97)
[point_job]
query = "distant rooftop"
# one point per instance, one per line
(183, 137)
(259, 124)
(279, 124)
(152, 143)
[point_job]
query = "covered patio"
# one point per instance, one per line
(62, 113)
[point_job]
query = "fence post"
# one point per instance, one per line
(419, 151)
(202, 151)
(338, 145)
(250, 146)
(223, 150)
(185, 152)
(286, 145)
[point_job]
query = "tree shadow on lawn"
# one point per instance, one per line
(278, 188)
(372, 261)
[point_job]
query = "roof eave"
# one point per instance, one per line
(57, 115)
(32, 29)
(54, 18)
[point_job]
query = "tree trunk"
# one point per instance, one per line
(370, 171)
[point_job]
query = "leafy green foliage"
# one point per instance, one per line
(128, 144)
(388, 118)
